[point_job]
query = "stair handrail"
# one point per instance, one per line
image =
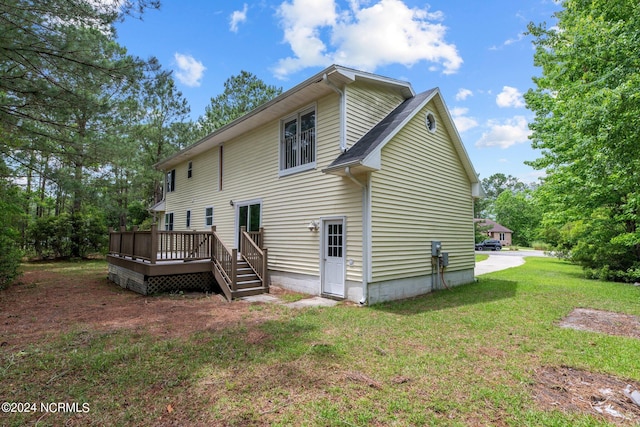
(255, 256)
(226, 260)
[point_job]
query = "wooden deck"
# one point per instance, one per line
(156, 261)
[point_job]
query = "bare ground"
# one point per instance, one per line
(573, 390)
(606, 322)
(42, 305)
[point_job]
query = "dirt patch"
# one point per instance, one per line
(606, 322)
(46, 303)
(573, 390)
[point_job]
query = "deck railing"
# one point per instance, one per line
(154, 245)
(224, 260)
(255, 255)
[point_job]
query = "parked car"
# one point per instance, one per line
(489, 245)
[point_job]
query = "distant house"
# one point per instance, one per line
(348, 179)
(496, 231)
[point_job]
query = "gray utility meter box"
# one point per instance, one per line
(435, 248)
(445, 259)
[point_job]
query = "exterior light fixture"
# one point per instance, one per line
(230, 202)
(313, 226)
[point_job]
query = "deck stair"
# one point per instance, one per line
(240, 276)
(248, 282)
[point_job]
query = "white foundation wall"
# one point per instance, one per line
(397, 289)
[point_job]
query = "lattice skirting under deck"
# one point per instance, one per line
(181, 282)
(148, 285)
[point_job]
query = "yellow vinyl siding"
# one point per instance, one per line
(367, 105)
(289, 203)
(194, 193)
(422, 193)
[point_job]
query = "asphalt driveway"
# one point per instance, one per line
(501, 260)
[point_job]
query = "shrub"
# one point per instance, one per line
(68, 235)
(541, 246)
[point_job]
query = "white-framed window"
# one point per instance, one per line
(502, 236)
(189, 219)
(298, 142)
(190, 170)
(168, 221)
(208, 216)
(171, 181)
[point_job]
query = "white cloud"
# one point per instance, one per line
(238, 17)
(363, 37)
(190, 70)
(505, 134)
(518, 38)
(463, 94)
(462, 121)
(510, 97)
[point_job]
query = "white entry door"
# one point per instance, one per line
(333, 254)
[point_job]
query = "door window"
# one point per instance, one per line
(249, 217)
(334, 240)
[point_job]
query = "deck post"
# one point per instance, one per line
(234, 269)
(133, 242)
(122, 230)
(243, 230)
(261, 239)
(265, 268)
(154, 244)
(213, 243)
(110, 238)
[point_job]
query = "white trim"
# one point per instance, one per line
(297, 169)
(323, 241)
(368, 275)
(173, 222)
(449, 125)
(370, 159)
(212, 216)
(434, 128)
(282, 171)
(267, 111)
(237, 206)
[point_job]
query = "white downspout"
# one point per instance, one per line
(365, 234)
(343, 112)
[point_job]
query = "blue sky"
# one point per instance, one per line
(474, 51)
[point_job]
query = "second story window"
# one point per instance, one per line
(171, 181)
(298, 142)
(190, 170)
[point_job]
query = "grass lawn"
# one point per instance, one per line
(468, 356)
(481, 257)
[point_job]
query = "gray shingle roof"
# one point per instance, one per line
(380, 132)
(495, 227)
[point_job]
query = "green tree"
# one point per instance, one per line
(520, 213)
(64, 82)
(242, 94)
(493, 186)
(587, 126)
(38, 47)
(11, 221)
